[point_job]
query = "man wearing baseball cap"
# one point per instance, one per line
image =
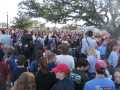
(62, 74)
(100, 82)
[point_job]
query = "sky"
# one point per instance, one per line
(9, 6)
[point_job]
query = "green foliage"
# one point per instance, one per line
(62, 11)
(22, 22)
(93, 12)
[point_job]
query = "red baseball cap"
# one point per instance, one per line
(100, 64)
(61, 68)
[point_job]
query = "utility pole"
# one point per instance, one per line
(7, 21)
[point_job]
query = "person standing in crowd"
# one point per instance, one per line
(51, 60)
(20, 68)
(100, 82)
(64, 58)
(80, 74)
(44, 79)
(114, 57)
(88, 42)
(5, 39)
(27, 44)
(26, 81)
(4, 70)
(62, 74)
(92, 58)
(117, 78)
(102, 49)
(33, 63)
(110, 44)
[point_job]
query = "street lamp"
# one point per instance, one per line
(7, 21)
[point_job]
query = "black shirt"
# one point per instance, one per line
(65, 84)
(45, 81)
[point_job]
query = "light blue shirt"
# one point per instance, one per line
(102, 50)
(5, 39)
(100, 83)
(113, 59)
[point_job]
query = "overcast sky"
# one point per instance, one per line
(9, 6)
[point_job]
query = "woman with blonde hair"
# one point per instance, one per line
(91, 58)
(26, 81)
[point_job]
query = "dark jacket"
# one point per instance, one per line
(45, 81)
(65, 84)
(117, 86)
(82, 81)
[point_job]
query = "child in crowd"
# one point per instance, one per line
(62, 74)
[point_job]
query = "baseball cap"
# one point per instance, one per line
(100, 64)
(61, 68)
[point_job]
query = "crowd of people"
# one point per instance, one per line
(58, 60)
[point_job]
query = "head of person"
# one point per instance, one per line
(51, 57)
(117, 76)
(64, 48)
(1, 52)
(21, 60)
(89, 33)
(3, 31)
(83, 65)
(61, 71)
(116, 48)
(9, 51)
(83, 56)
(100, 67)
(26, 81)
(43, 65)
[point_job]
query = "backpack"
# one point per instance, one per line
(76, 78)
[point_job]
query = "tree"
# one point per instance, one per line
(22, 22)
(62, 11)
(101, 13)
(3, 25)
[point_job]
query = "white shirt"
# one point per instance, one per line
(66, 59)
